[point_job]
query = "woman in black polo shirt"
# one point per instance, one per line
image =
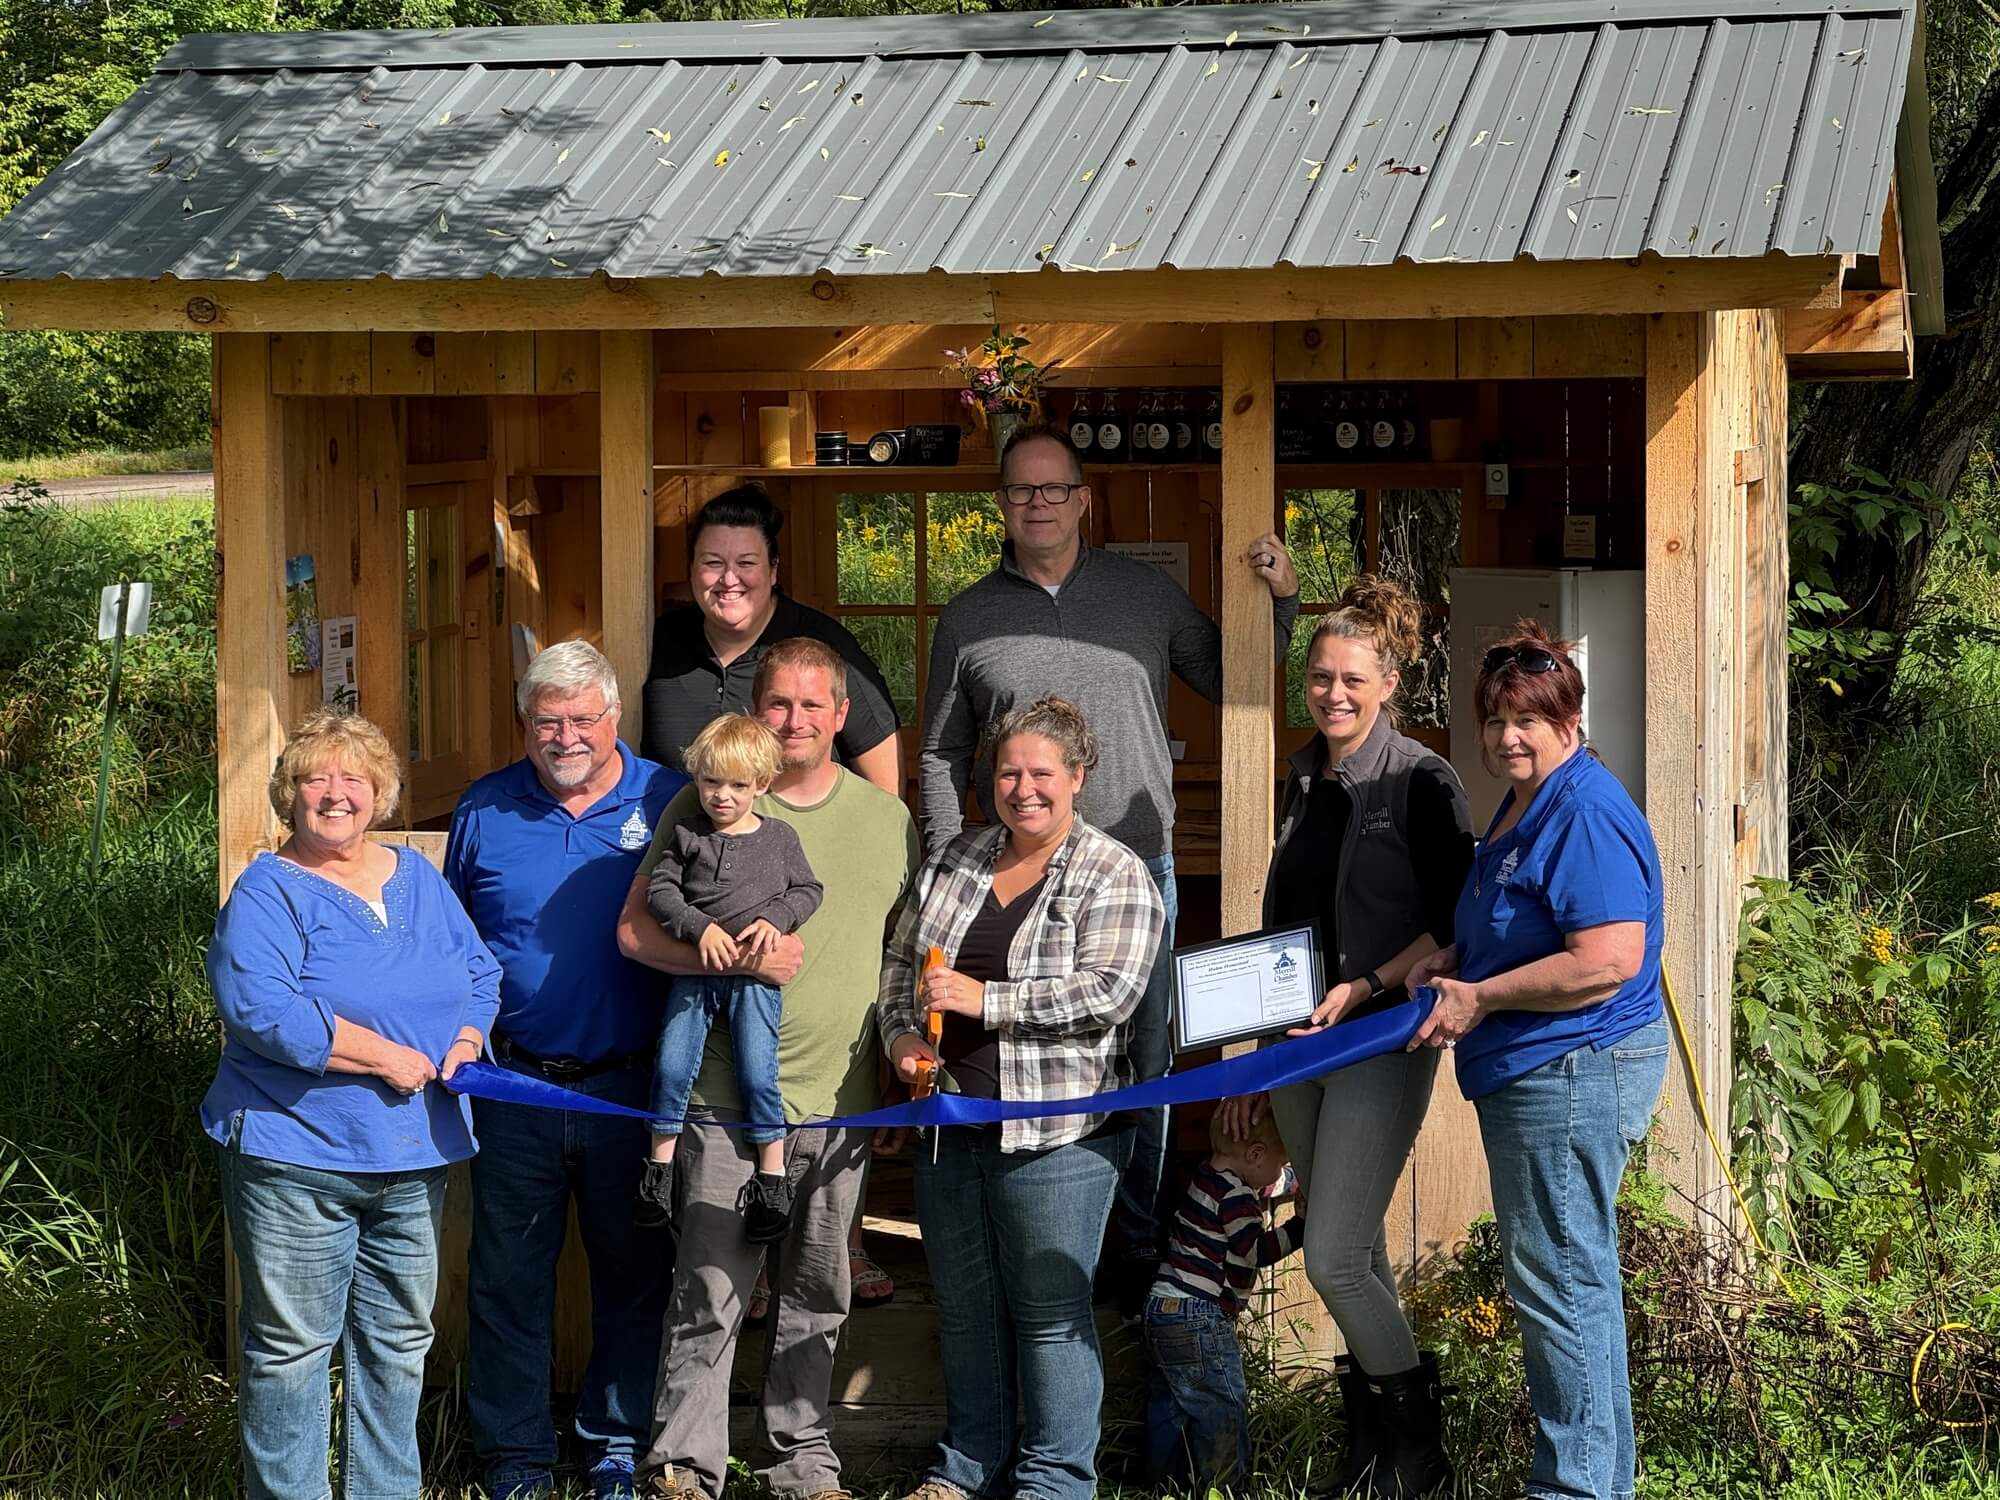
(705, 654)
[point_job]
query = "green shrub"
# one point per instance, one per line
(62, 391)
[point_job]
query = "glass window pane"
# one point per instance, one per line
(442, 572)
(412, 574)
(442, 690)
(418, 746)
(1419, 549)
(1323, 528)
(961, 542)
(875, 546)
(1296, 715)
(892, 641)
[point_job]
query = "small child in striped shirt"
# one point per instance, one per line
(1197, 1410)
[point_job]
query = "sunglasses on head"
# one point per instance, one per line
(1536, 659)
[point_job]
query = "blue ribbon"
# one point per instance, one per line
(1290, 1061)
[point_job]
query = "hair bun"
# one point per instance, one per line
(1397, 618)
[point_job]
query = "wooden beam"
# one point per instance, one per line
(625, 441)
(1867, 337)
(251, 685)
(1496, 348)
(1400, 291)
(1589, 348)
(1249, 645)
(1312, 351)
(382, 654)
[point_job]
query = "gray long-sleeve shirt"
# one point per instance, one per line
(1105, 640)
(731, 879)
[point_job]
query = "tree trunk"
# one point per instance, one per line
(1923, 429)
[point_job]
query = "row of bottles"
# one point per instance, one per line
(1315, 425)
(1161, 428)
(1347, 424)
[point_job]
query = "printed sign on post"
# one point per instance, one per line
(1170, 558)
(138, 610)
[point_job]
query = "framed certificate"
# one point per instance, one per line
(1260, 984)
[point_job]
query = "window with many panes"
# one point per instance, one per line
(899, 557)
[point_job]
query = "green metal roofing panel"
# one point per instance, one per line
(1327, 133)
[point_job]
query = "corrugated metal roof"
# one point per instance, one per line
(1301, 135)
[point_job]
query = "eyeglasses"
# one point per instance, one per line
(1534, 659)
(548, 725)
(1019, 495)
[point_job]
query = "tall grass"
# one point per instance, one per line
(100, 462)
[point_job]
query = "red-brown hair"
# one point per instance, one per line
(1556, 697)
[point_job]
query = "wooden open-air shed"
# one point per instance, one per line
(493, 310)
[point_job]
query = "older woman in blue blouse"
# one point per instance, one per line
(1551, 997)
(350, 983)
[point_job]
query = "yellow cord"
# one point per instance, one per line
(1770, 1255)
(1715, 1145)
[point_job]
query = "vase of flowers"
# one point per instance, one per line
(1003, 384)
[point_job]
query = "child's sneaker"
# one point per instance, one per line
(766, 1204)
(655, 1208)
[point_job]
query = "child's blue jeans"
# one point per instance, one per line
(752, 1008)
(1197, 1410)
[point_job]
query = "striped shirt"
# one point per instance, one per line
(1079, 964)
(1220, 1243)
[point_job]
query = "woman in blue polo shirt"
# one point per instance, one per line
(1551, 996)
(350, 984)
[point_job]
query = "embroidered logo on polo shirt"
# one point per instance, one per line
(1378, 821)
(1507, 865)
(633, 833)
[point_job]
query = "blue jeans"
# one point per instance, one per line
(1012, 1240)
(1556, 1144)
(1197, 1409)
(1141, 1214)
(332, 1257)
(532, 1165)
(693, 1001)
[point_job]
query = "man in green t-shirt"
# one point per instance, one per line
(862, 845)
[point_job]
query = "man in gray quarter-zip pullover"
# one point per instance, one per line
(1102, 630)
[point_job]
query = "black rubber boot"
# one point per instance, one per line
(1409, 1408)
(1364, 1430)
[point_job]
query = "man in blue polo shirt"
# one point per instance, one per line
(542, 854)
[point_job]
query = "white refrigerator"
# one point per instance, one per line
(1605, 612)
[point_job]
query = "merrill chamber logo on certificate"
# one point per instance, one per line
(1261, 984)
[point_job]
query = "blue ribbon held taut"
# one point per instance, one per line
(1290, 1061)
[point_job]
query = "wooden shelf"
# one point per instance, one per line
(1422, 475)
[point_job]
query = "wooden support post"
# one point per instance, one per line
(625, 439)
(251, 687)
(1249, 646)
(382, 654)
(1690, 710)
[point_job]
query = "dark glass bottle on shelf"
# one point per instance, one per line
(1083, 427)
(1211, 429)
(1182, 426)
(1110, 431)
(1347, 429)
(1159, 432)
(1140, 441)
(1383, 429)
(1410, 444)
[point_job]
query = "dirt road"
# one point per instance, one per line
(109, 488)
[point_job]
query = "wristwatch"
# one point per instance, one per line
(1375, 985)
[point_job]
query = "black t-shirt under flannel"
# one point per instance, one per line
(686, 687)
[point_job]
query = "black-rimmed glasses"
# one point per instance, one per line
(1532, 659)
(1019, 495)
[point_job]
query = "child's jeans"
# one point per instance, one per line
(1197, 1410)
(752, 1008)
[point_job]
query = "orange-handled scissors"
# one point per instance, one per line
(923, 1082)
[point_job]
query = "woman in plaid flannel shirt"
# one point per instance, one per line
(1049, 928)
